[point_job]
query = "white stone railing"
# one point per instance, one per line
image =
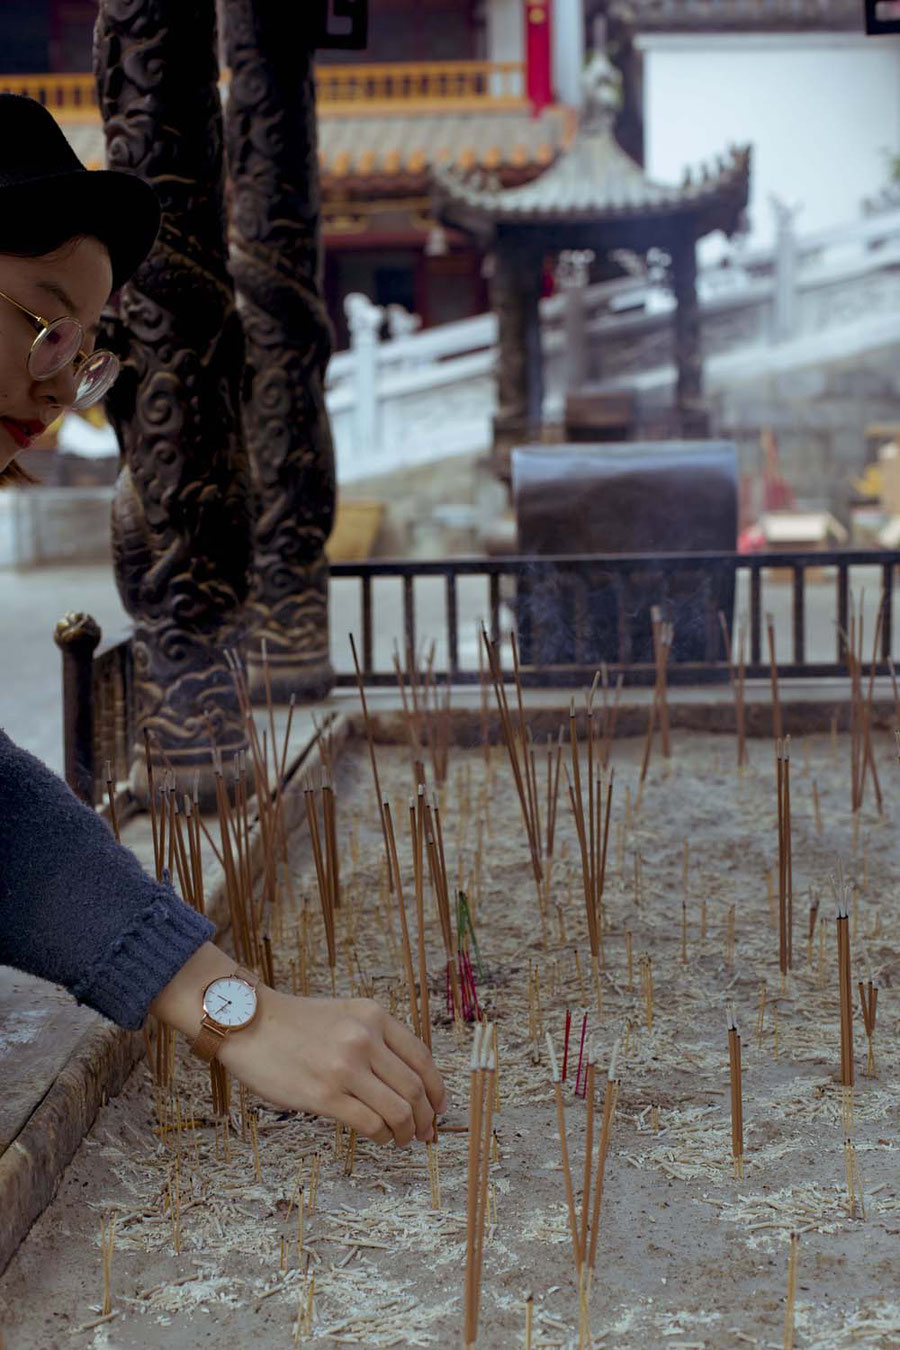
(424, 396)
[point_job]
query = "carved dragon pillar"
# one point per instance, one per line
(181, 521)
(276, 261)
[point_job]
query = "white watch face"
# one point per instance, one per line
(230, 1001)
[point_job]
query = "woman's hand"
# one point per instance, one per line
(344, 1058)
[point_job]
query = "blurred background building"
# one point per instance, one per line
(799, 312)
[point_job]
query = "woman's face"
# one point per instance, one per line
(74, 281)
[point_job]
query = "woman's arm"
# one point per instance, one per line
(76, 907)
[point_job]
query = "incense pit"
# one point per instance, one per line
(206, 1245)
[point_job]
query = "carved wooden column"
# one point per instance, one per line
(515, 288)
(690, 408)
(276, 262)
(181, 526)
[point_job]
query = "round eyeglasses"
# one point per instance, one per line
(57, 345)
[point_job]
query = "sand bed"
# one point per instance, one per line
(687, 1255)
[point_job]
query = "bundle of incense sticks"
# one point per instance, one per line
(436, 719)
(430, 814)
(610, 1099)
(326, 864)
(268, 790)
(574, 1231)
(553, 768)
(785, 858)
(663, 634)
(862, 755)
(370, 740)
(465, 935)
(417, 831)
(773, 676)
(233, 837)
(426, 712)
(107, 1237)
(584, 1253)
(685, 857)
(520, 757)
(845, 994)
(737, 1095)
(868, 1002)
(410, 706)
(482, 1073)
(814, 902)
(593, 834)
(610, 712)
(738, 677)
(404, 927)
(182, 839)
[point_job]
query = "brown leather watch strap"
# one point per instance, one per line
(208, 1042)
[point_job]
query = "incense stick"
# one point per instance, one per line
(588, 1155)
(868, 1000)
(404, 930)
(609, 1107)
(788, 1341)
(773, 677)
(476, 1102)
(417, 829)
(564, 1150)
(737, 1095)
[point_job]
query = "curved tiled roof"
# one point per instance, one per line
(594, 180)
(369, 145)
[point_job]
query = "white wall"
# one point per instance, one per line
(821, 111)
(505, 30)
(567, 36)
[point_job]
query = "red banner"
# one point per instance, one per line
(538, 74)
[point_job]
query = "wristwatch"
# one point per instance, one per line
(229, 1004)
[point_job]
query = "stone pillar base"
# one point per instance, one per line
(308, 679)
(192, 766)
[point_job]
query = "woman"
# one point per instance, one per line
(75, 907)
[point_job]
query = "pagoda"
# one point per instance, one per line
(593, 197)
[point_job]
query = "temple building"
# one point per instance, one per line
(493, 85)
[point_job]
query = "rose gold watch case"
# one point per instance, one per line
(242, 975)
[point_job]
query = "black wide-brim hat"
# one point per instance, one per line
(42, 179)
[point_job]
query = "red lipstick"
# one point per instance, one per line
(22, 432)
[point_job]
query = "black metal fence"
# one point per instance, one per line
(558, 594)
(694, 583)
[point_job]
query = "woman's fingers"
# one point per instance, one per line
(361, 1118)
(394, 1110)
(417, 1055)
(392, 1071)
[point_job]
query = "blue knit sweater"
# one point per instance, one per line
(76, 907)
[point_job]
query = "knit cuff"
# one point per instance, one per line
(127, 976)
